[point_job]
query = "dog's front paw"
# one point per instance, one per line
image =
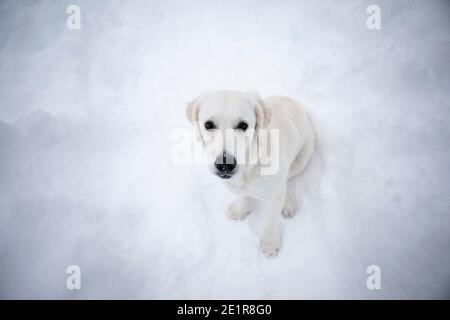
(271, 245)
(236, 212)
(289, 208)
(288, 212)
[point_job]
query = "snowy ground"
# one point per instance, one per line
(86, 175)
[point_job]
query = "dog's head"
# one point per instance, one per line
(227, 123)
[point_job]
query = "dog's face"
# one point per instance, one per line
(225, 123)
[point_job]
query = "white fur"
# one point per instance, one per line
(296, 144)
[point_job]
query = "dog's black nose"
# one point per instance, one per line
(225, 163)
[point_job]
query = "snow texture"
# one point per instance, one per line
(86, 175)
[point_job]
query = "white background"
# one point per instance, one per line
(86, 175)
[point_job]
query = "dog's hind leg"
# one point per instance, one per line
(290, 202)
(302, 158)
(297, 166)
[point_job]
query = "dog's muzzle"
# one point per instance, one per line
(225, 165)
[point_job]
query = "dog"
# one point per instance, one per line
(229, 118)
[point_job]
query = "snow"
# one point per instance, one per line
(85, 138)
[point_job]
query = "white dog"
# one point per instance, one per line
(253, 122)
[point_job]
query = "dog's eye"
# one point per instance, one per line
(209, 125)
(242, 126)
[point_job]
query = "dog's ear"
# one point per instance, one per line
(192, 111)
(263, 117)
(262, 112)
